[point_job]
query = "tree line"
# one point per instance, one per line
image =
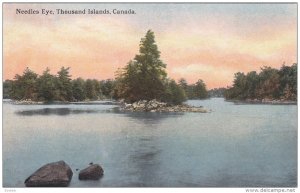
(269, 83)
(143, 78)
(216, 92)
(60, 87)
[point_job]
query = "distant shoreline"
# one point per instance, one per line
(113, 102)
(263, 101)
(30, 102)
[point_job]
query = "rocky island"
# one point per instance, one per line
(156, 106)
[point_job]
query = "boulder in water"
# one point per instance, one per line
(93, 172)
(56, 174)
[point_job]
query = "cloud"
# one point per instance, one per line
(209, 41)
(212, 75)
(193, 69)
(91, 48)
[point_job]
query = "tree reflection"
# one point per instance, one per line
(54, 111)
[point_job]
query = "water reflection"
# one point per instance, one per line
(54, 111)
(145, 161)
(149, 118)
(147, 156)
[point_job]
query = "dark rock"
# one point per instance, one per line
(56, 174)
(77, 169)
(91, 163)
(93, 172)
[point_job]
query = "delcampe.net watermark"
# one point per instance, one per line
(270, 190)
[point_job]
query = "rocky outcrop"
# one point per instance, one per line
(156, 106)
(93, 172)
(56, 174)
(27, 102)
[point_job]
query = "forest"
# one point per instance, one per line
(269, 83)
(60, 87)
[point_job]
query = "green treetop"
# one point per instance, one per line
(143, 77)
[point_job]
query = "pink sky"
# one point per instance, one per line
(197, 41)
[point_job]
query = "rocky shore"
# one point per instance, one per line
(26, 102)
(156, 106)
(139, 106)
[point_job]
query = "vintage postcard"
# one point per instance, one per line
(199, 95)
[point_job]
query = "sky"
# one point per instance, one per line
(197, 41)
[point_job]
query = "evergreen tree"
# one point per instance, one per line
(7, 89)
(64, 85)
(269, 83)
(24, 87)
(288, 82)
(78, 89)
(174, 93)
(200, 91)
(183, 84)
(252, 81)
(92, 89)
(128, 83)
(97, 88)
(144, 77)
(107, 87)
(46, 86)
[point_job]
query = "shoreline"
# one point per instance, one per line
(120, 103)
(139, 106)
(262, 102)
(30, 102)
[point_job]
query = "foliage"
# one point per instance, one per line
(78, 89)
(216, 92)
(288, 82)
(64, 84)
(25, 86)
(48, 87)
(194, 91)
(7, 89)
(144, 78)
(92, 89)
(174, 93)
(107, 88)
(199, 90)
(270, 83)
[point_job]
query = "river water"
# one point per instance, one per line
(248, 145)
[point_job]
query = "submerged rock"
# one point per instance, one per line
(93, 172)
(56, 174)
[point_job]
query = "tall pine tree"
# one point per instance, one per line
(64, 85)
(46, 86)
(144, 77)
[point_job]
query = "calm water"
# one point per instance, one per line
(233, 146)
